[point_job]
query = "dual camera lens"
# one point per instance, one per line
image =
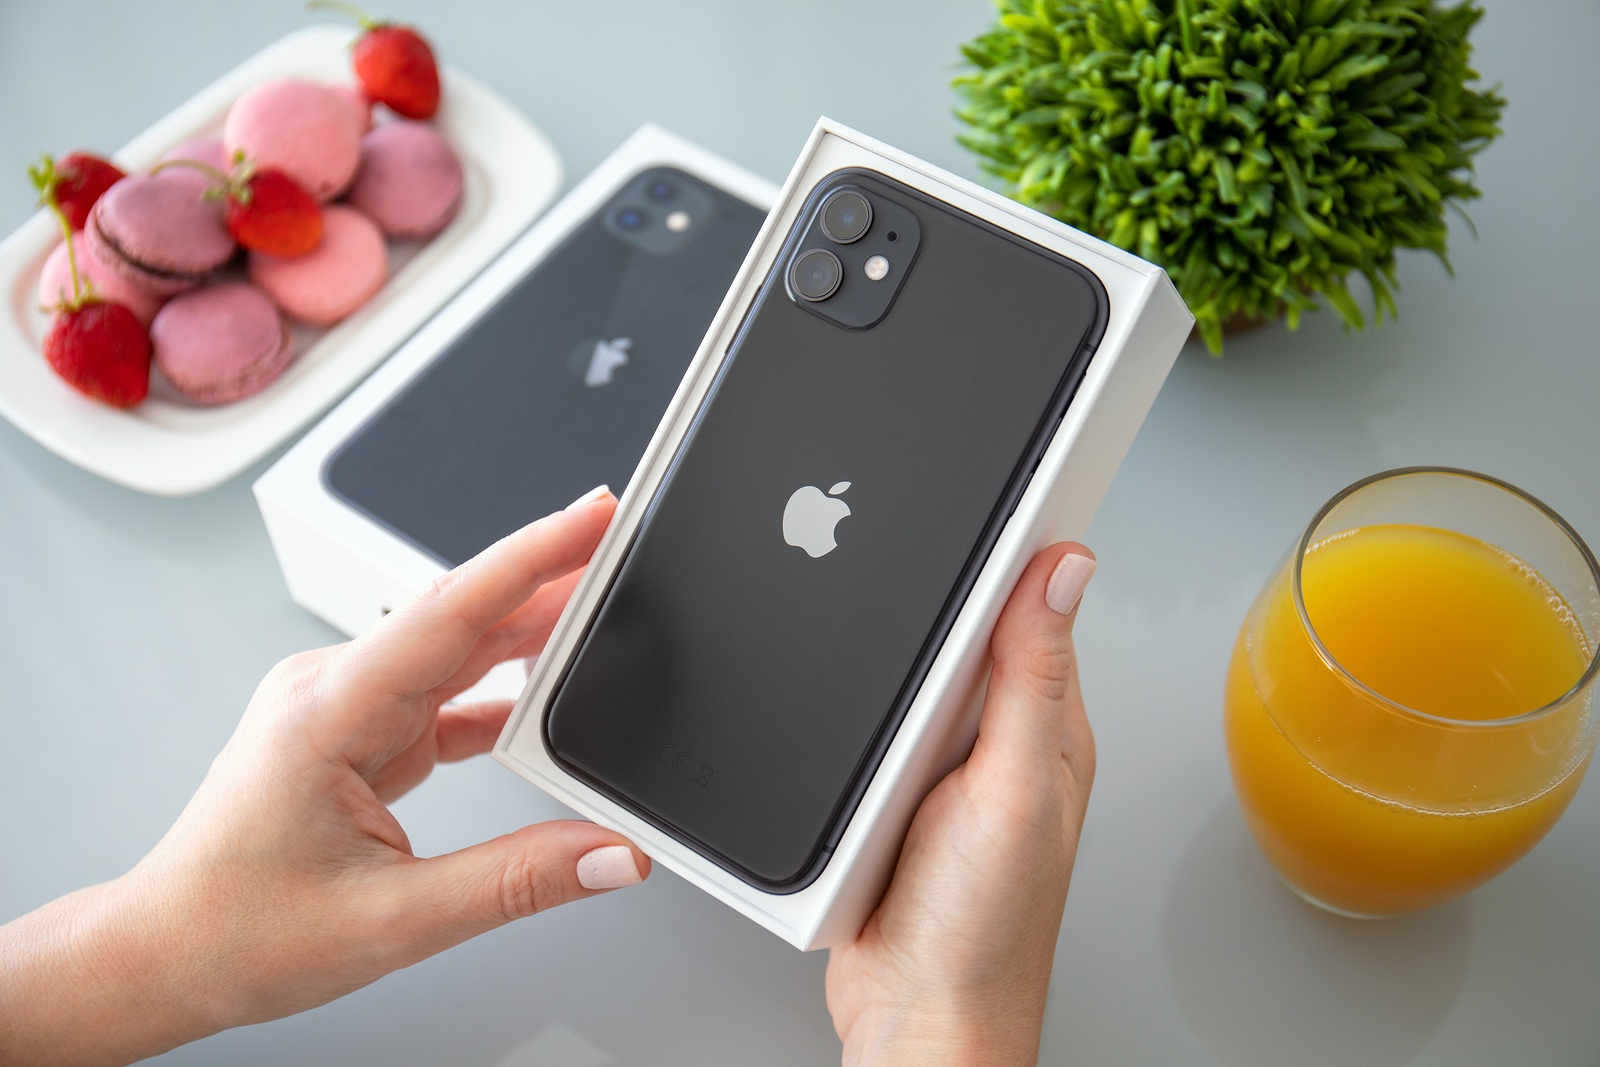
(634, 219)
(816, 274)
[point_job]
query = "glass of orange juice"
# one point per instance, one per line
(1410, 705)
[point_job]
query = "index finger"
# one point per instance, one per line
(423, 643)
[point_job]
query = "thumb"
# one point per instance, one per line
(538, 867)
(1034, 709)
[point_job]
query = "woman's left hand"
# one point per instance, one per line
(287, 882)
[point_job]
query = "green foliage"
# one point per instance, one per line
(1260, 150)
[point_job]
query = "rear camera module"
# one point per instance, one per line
(660, 189)
(815, 275)
(630, 218)
(846, 216)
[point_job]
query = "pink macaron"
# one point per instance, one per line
(220, 343)
(324, 285)
(362, 105)
(158, 231)
(310, 131)
(410, 179)
(55, 282)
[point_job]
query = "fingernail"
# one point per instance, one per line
(1067, 582)
(588, 498)
(611, 867)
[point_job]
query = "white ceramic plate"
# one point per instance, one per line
(170, 448)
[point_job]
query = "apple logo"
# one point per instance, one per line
(597, 361)
(810, 516)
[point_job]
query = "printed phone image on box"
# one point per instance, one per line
(778, 647)
(544, 377)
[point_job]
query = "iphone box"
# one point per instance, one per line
(1145, 325)
(594, 312)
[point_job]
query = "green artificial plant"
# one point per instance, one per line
(1262, 151)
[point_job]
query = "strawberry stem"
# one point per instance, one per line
(364, 20)
(216, 175)
(45, 180)
(233, 185)
(244, 171)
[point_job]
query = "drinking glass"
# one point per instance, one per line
(1409, 707)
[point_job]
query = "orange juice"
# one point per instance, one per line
(1412, 772)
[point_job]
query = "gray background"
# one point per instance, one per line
(134, 628)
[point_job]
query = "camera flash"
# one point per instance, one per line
(678, 221)
(877, 268)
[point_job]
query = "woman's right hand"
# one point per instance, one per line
(954, 965)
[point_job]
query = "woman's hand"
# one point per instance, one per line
(953, 967)
(286, 882)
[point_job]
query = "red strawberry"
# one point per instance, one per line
(394, 63)
(76, 183)
(267, 210)
(396, 67)
(101, 351)
(272, 214)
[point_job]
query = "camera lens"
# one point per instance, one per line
(630, 218)
(846, 216)
(660, 189)
(815, 275)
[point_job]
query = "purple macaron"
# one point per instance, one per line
(221, 343)
(158, 232)
(410, 179)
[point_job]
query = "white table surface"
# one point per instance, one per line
(134, 629)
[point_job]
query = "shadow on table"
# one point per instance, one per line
(557, 1046)
(1264, 978)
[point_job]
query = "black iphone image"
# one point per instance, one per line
(557, 387)
(875, 421)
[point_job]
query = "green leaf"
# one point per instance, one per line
(1354, 68)
(1226, 188)
(1340, 298)
(1375, 140)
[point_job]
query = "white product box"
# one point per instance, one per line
(339, 563)
(1147, 326)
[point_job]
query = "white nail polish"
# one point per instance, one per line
(588, 498)
(1067, 583)
(611, 867)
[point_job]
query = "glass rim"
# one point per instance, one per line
(1344, 674)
